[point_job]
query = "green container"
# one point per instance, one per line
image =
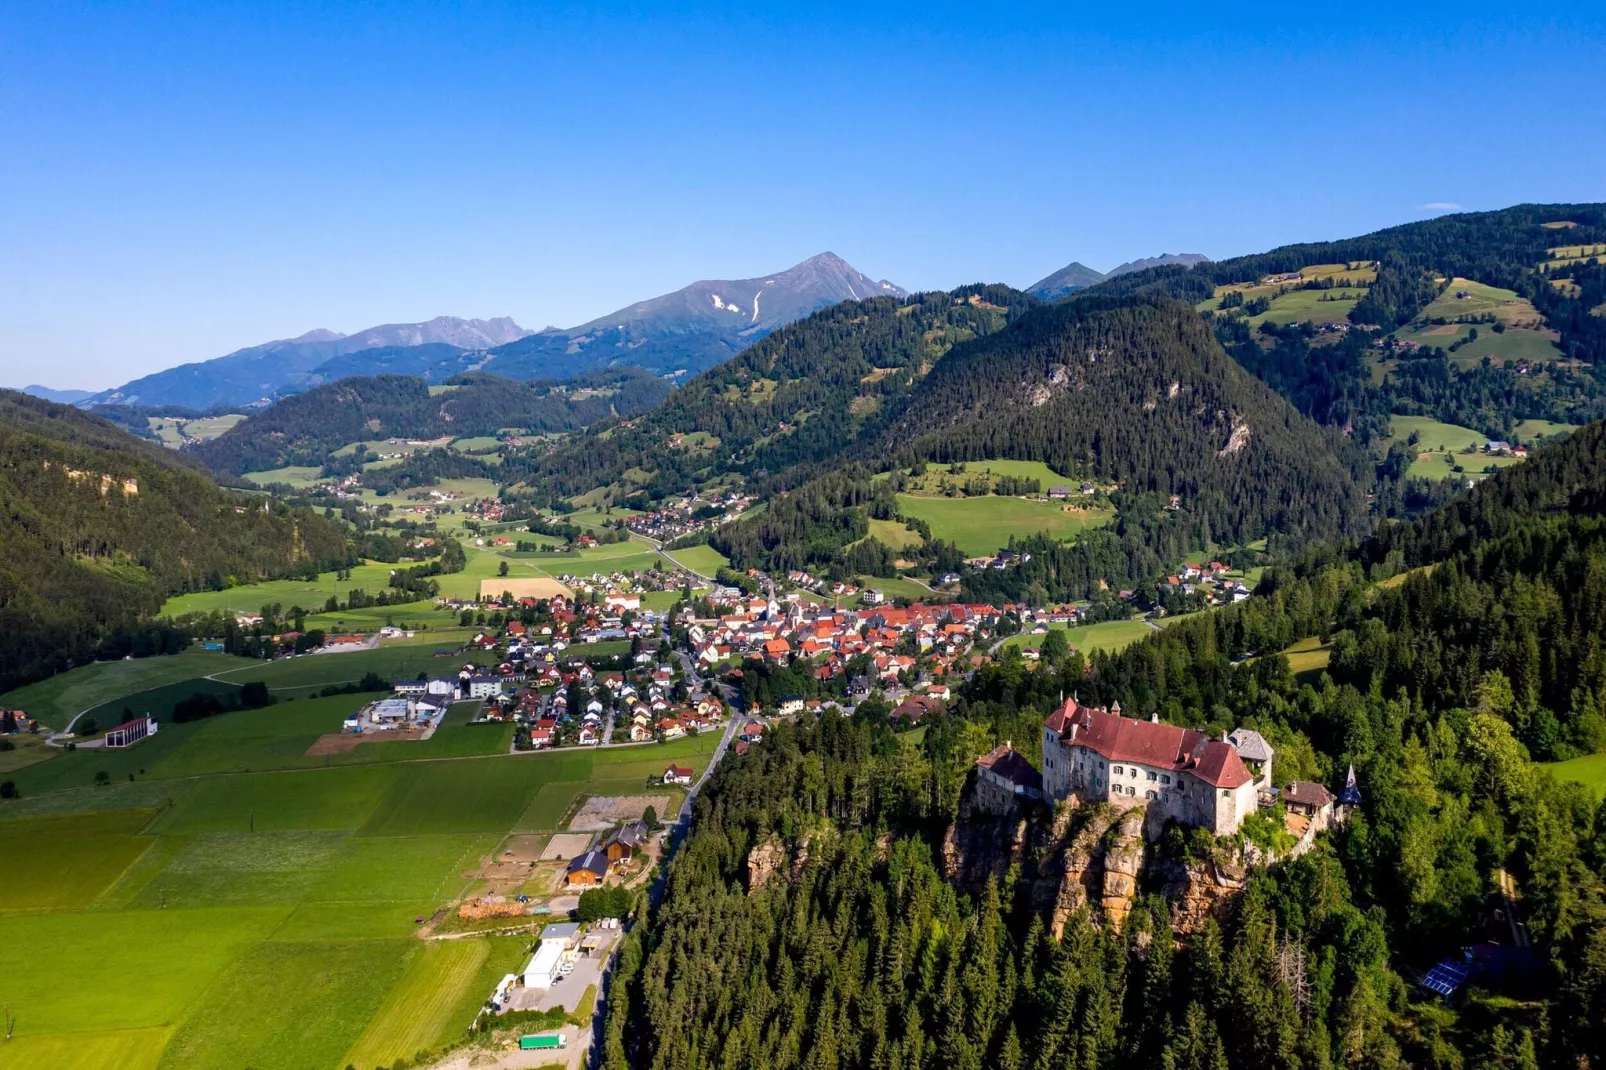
(541, 1041)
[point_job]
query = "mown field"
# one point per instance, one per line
(268, 918)
(1524, 339)
(1441, 447)
(983, 525)
(704, 560)
(1108, 636)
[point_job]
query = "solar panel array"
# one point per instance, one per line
(1447, 976)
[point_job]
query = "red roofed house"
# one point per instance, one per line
(1101, 756)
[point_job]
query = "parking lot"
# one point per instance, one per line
(567, 991)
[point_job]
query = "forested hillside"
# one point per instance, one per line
(98, 528)
(1123, 391)
(304, 428)
(1333, 378)
(793, 400)
(856, 952)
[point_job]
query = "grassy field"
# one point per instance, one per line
(1312, 306)
(893, 533)
(58, 698)
(898, 587)
(983, 525)
(1589, 771)
(1441, 447)
(1109, 636)
(937, 477)
(1534, 431)
(268, 918)
(704, 560)
(1524, 339)
(1307, 658)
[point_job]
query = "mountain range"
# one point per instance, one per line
(259, 373)
(1078, 276)
(679, 333)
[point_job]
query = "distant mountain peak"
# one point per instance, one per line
(1068, 279)
(318, 334)
(1156, 261)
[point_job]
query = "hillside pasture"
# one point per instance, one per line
(937, 479)
(1441, 447)
(980, 526)
(1535, 431)
(1109, 636)
(703, 560)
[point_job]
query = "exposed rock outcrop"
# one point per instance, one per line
(763, 863)
(1092, 858)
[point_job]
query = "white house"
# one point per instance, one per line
(484, 686)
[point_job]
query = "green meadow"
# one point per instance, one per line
(704, 560)
(983, 525)
(1441, 447)
(1108, 636)
(267, 918)
(1589, 771)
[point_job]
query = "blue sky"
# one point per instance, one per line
(178, 181)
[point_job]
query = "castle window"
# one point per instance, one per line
(1225, 793)
(1154, 776)
(1130, 790)
(1115, 771)
(1165, 780)
(1150, 795)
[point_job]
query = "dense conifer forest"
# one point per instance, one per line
(98, 528)
(1463, 644)
(304, 428)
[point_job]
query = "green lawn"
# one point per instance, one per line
(983, 525)
(1589, 771)
(1109, 636)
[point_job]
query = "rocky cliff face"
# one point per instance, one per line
(1085, 857)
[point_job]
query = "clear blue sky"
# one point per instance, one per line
(179, 181)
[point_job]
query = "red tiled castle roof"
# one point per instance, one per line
(1150, 743)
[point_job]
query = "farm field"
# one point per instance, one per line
(269, 917)
(299, 476)
(1524, 339)
(1312, 306)
(1352, 276)
(704, 560)
(372, 577)
(1108, 636)
(980, 526)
